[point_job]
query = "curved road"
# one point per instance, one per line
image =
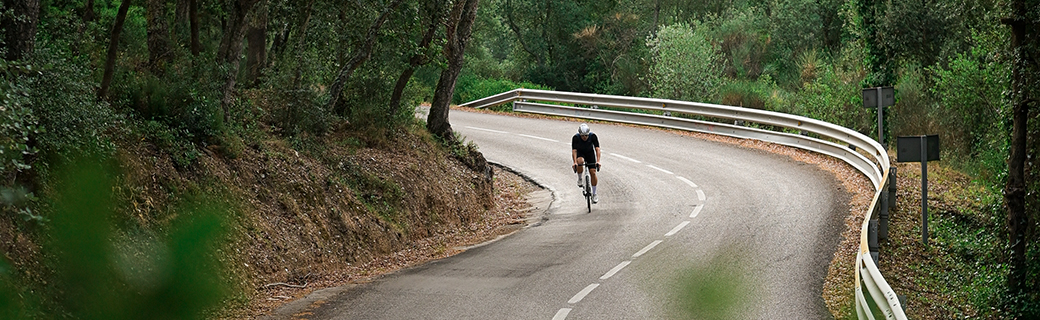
(675, 212)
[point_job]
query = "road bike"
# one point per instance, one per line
(586, 188)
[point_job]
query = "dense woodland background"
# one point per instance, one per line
(193, 76)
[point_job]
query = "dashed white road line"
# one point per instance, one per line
(488, 130)
(562, 314)
(537, 137)
(614, 271)
(647, 248)
(626, 158)
(581, 294)
(659, 169)
(696, 211)
(688, 182)
(676, 229)
(700, 195)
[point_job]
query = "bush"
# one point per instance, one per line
(17, 121)
(687, 65)
(63, 98)
(971, 103)
(186, 99)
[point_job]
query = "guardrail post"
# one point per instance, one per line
(872, 240)
(892, 187)
(883, 216)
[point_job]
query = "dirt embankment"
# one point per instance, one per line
(315, 212)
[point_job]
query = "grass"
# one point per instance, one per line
(961, 273)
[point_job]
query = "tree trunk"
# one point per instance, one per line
(88, 12)
(1024, 47)
(158, 36)
(417, 59)
(256, 55)
(230, 50)
(362, 53)
(657, 15)
(459, 28)
(193, 21)
(20, 37)
(113, 44)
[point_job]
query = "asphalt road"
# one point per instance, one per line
(753, 231)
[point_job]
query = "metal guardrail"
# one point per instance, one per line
(874, 165)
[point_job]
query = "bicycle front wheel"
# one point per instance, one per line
(588, 192)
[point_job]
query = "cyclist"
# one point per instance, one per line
(585, 153)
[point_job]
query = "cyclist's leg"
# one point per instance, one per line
(580, 169)
(592, 173)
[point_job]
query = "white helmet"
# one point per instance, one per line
(584, 130)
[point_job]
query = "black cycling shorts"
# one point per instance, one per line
(590, 158)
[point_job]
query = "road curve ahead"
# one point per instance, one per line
(683, 225)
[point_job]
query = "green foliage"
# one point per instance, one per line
(63, 98)
(969, 93)
(100, 275)
(17, 121)
(471, 87)
(744, 39)
(686, 64)
(187, 99)
(835, 97)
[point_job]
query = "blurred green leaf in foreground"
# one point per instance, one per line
(102, 272)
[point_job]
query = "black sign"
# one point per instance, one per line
(909, 148)
(870, 97)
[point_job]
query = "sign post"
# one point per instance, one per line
(923, 149)
(879, 97)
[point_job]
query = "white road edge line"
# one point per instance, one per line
(581, 294)
(488, 130)
(647, 248)
(696, 211)
(626, 158)
(688, 182)
(614, 271)
(537, 137)
(659, 169)
(700, 195)
(562, 314)
(676, 229)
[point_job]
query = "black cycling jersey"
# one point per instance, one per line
(586, 148)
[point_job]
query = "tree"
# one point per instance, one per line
(256, 35)
(1024, 44)
(361, 53)
(230, 50)
(193, 21)
(113, 45)
(158, 36)
(458, 31)
(419, 58)
(20, 27)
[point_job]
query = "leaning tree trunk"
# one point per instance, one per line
(20, 28)
(361, 54)
(230, 50)
(416, 60)
(113, 45)
(1024, 47)
(459, 28)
